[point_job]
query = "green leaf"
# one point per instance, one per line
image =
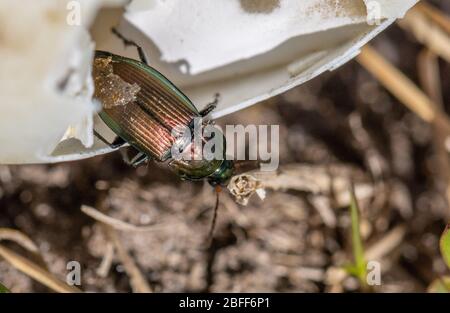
(359, 269)
(445, 245)
(3, 289)
(441, 285)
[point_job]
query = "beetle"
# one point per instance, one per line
(143, 108)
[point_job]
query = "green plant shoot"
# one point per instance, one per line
(3, 289)
(445, 245)
(357, 269)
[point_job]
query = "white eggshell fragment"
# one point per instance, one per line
(245, 50)
(250, 50)
(45, 78)
(389, 8)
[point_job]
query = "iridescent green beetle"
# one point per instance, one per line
(142, 107)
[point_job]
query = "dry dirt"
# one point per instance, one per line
(281, 244)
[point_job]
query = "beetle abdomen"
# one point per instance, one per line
(155, 97)
(156, 108)
(140, 130)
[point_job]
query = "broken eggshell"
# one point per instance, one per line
(245, 50)
(45, 78)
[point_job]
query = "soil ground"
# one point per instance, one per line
(282, 244)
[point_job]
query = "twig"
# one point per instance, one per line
(118, 224)
(105, 266)
(35, 271)
(403, 88)
(435, 14)
(24, 241)
(137, 280)
(429, 75)
(427, 33)
(19, 238)
(385, 245)
(111, 225)
(323, 206)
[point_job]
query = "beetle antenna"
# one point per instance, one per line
(246, 166)
(218, 189)
(128, 42)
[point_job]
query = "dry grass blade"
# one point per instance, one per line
(19, 238)
(435, 14)
(111, 225)
(36, 272)
(403, 88)
(115, 223)
(107, 260)
(429, 75)
(386, 244)
(137, 280)
(427, 33)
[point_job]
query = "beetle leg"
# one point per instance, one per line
(137, 159)
(118, 142)
(210, 106)
(128, 42)
(125, 156)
